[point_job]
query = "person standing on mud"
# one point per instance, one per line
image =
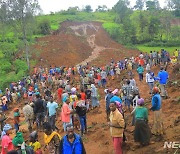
(108, 97)
(163, 78)
(39, 111)
(142, 131)
(140, 71)
(71, 143)
(116, 125)
(52, 110)
(103, 78)
(29, 115)
(156, 108)
(150, 80)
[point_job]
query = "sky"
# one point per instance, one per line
(56, 5)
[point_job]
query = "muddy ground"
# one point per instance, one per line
(78, 43)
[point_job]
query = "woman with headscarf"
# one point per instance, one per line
(156, 108)
(19, 145)
(142, 132)
(94, 96)
(6, 142)
(116, 125)
(115, 96)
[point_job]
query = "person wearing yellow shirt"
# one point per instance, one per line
(116, 125)
(34, 143)
(174, 60)
(176, 53)
(51, 139)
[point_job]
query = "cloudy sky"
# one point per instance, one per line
(56, 5)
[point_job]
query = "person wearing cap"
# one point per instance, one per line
(116, 125)
(51, 139)
(71, 143)
(34, 143)
(142, 131)
(163, 78)
(156, 108)
(6, 140)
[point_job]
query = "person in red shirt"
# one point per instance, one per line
(141, 62)
(60, 91)
(83, 95)
(99, 79)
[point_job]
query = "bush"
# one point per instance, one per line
(5, 66)
(44, 27)
(170, 43)
(20, 65)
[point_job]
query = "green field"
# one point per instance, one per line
(56, 19)
(148, 49)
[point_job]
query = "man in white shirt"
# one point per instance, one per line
(150, 80)
(52, 109)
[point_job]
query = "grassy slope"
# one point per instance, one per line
(56, 19)
(148, 49)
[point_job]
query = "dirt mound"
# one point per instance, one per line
(75, 43)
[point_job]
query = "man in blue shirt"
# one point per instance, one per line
(163, 78)
(52, 108)
(71, 143)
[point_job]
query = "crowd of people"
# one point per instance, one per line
(69, 93)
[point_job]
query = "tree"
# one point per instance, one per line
(139, 4)
(142, 22)
(121, 8)
(153, 26)
(73, 10)
(88, 8)
(102, 8)
(152, 5)
(165, 19)
(4, 16)
(23, 12)
(174, 5)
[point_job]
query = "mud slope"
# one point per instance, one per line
(75, 43)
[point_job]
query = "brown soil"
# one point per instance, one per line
(73, 44)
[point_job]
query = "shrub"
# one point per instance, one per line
(44, 27)
(5, 66)
(20, 65)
